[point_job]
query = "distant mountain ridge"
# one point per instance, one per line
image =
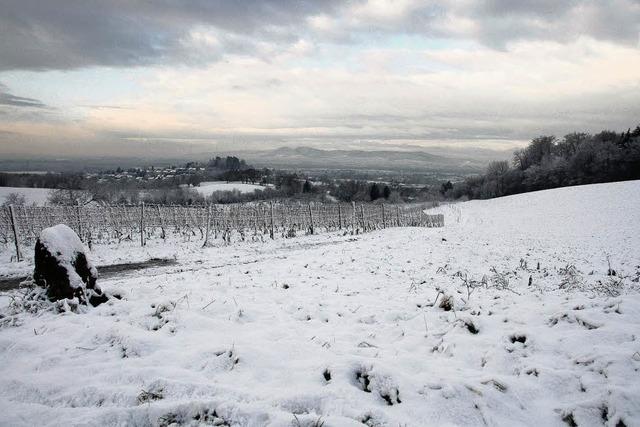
(306, 157)
(396, 158)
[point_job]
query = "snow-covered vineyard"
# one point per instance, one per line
(249, 221)
(523, 310)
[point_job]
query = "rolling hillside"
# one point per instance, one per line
(341, 330)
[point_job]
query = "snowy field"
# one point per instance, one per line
(37, 196)
(206, 188)
(338, 330)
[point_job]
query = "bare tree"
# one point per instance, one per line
(68, 197)
(15, 199)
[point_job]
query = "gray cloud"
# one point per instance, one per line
(57, 34)
(502, 21)
(9, 100)
(68, 34)
(496, 23)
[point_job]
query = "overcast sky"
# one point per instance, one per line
(126, 76)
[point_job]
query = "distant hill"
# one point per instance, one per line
(395, 158)
(305, 157)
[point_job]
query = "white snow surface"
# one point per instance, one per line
(206, 188)
(248, 330)
(63, 241)
(65, 245)
(37, 196)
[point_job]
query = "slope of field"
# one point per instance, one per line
(340, 330)
(598, 221)
(206, 188)
(36, 196)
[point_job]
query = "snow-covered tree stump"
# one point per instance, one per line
(63, 269)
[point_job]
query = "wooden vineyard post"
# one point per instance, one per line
(223, 223)
(271, 232)
(142, 242)
(398, 216)
(310, 219)
(339, 217)
(353, 218)
(79, 219)
(129, 221)
(206, 236)
(362, 216)
(89, 227)
(27, 220)
(215, 225)
(164, 234)
(255, 221)
(110, 221)
(176, 227)
(384, 222)
(15, 233)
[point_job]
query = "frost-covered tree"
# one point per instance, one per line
(69, 197)
(15, 199)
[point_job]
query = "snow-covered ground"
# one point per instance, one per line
(339, 330)
(37, 196)
(206, 188)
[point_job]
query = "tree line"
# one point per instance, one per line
(549, 162)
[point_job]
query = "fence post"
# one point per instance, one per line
(353, 218)
(28, 221)
(339, 217)
(15, 233)
(271, 232)
(78, 217)
(206, 236)
(142, 243)
(161, 222)
(384, 222)
(311, 218)
(255, 221)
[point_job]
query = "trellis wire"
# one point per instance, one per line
(96, 224)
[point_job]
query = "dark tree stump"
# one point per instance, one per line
(62, 267)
